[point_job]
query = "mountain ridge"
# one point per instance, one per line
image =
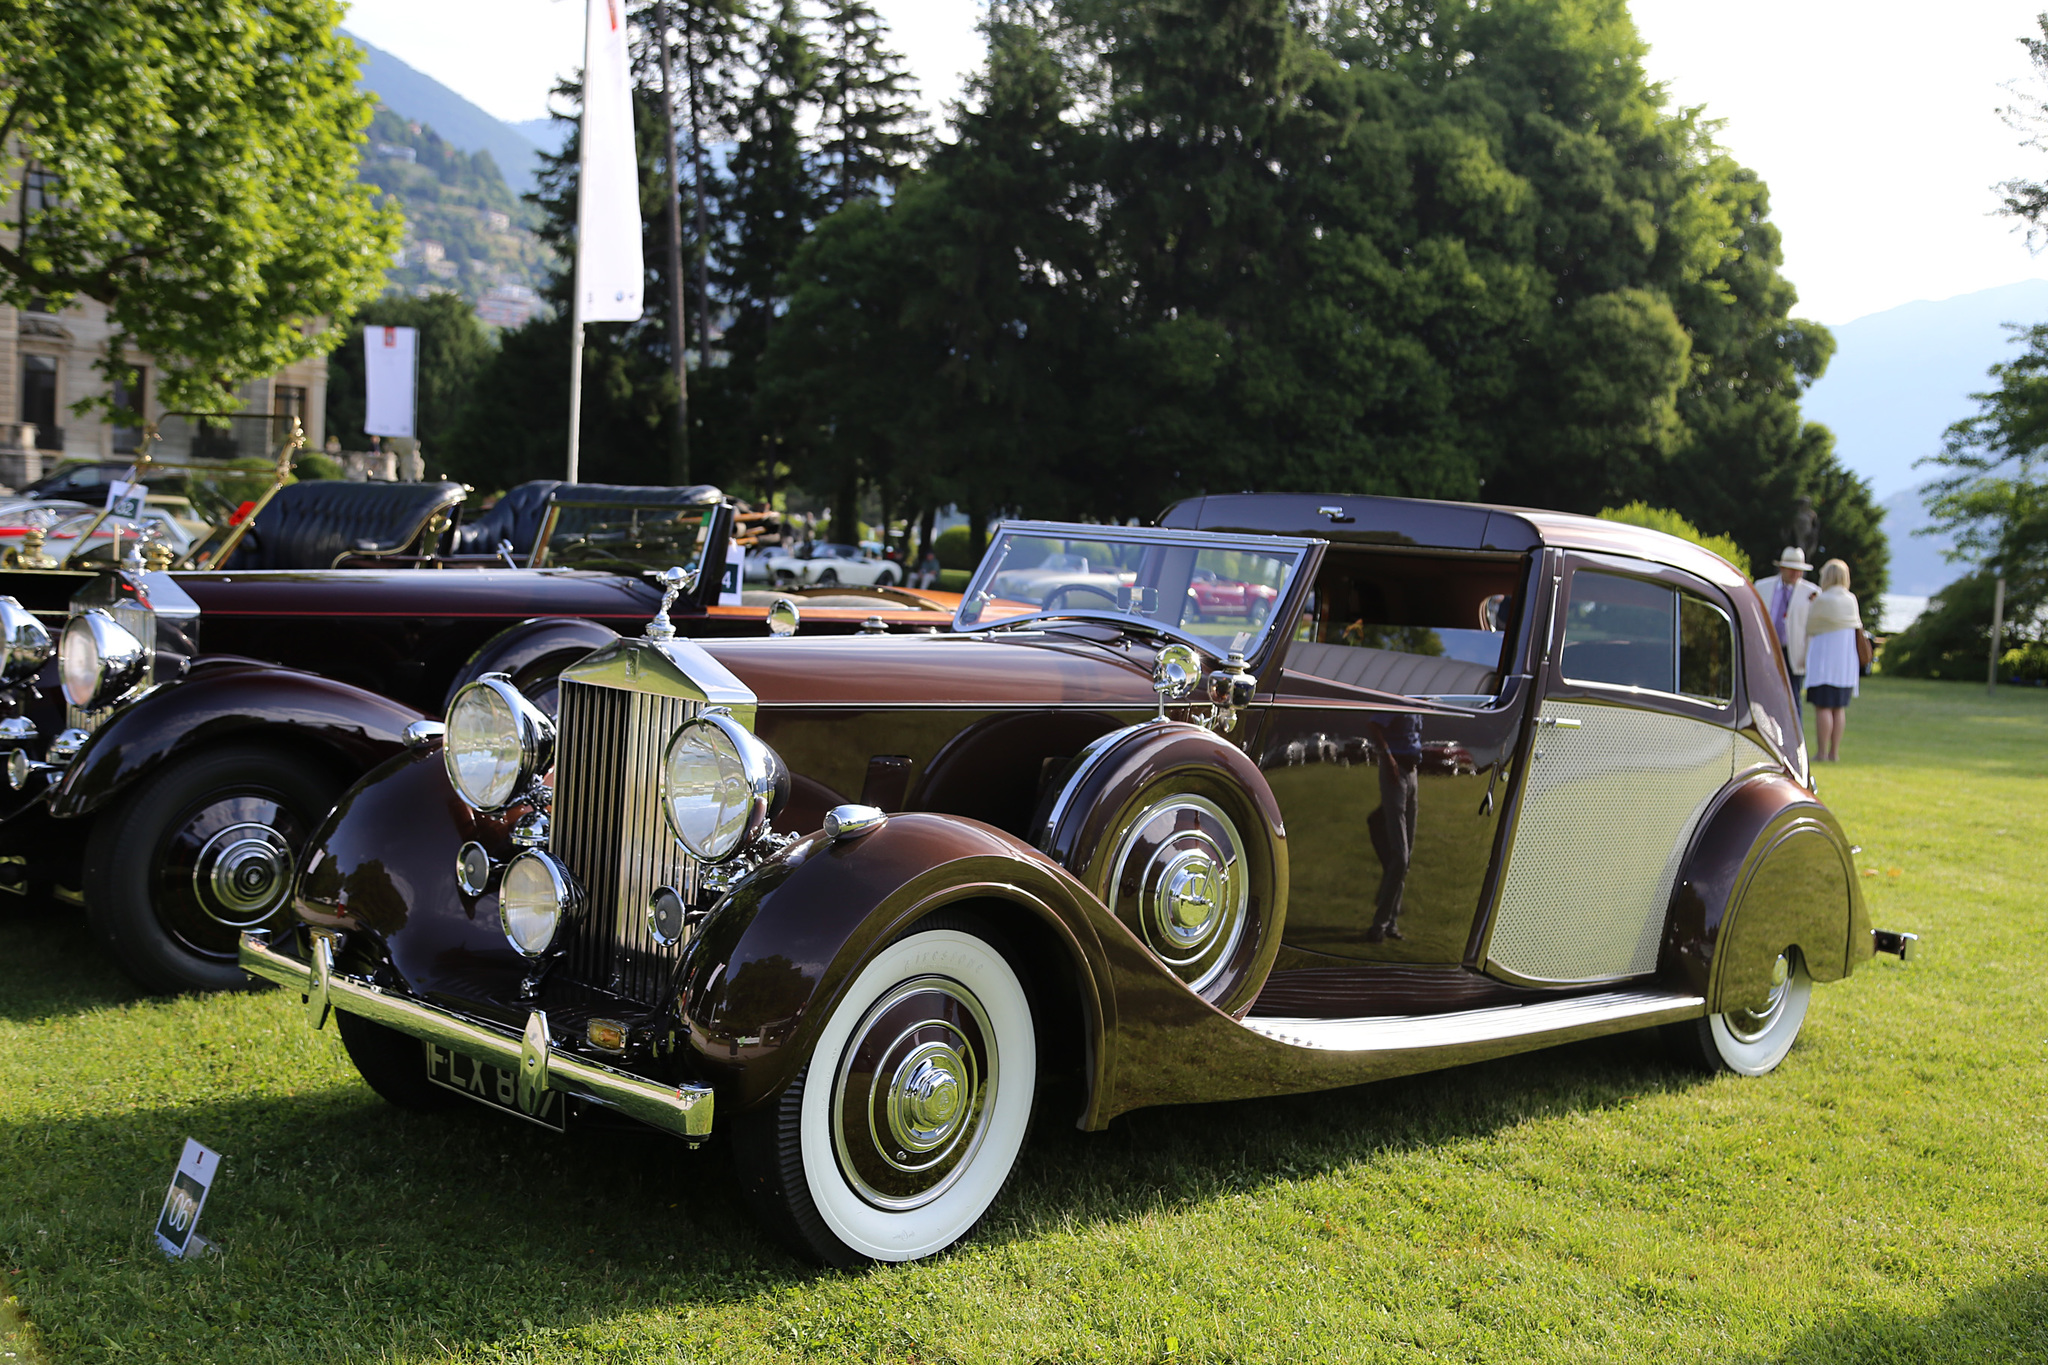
(423, 99)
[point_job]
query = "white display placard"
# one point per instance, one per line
(125, 499)
(609, 271)
(735, 564)
(178, 1225)
(390, 380)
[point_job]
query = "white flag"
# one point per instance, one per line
(389, 370)
(609, 272)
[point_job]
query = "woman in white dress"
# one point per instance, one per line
(1832, 621)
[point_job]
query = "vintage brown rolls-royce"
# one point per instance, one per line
(1428, 783)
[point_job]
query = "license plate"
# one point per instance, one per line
(493, 1085)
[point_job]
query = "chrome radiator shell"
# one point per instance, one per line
(618, 709)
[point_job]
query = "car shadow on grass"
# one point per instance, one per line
(50, 963)
(352, 1229)
(1179, 1156)
(2006, 1321)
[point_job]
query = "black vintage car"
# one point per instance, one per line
(1284, 794)
(202, 722)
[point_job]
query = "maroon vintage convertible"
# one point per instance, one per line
(204, 721)
(1482, 780)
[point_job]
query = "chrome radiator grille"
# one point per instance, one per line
(607, 828)
(140, 622)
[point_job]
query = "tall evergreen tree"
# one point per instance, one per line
(869, 126)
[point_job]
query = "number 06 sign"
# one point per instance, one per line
(186, 1197)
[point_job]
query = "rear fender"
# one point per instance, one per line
(773, 958)
(1769, 870)
(224, 700)
(533, 647)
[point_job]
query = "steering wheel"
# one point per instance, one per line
(1056, 598)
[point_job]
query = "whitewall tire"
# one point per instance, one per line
(909, 1117)
(1753, 1042)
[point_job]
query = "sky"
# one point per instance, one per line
(1874, 122)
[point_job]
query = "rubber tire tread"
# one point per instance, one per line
(767, 1147)
(116, 887)
(392, 1064)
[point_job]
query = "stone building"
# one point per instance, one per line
(48, 363)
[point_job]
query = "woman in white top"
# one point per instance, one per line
(1832, 621)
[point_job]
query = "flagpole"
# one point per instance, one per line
(575, 395)
(576, 305)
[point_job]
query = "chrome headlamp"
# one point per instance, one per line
(98, 660)
(720, 786)
(496, 744)
(535, 898)
(25, 644)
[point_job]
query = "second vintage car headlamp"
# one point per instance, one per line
(25, 644)
(98, 660)
(536, 896)
(497, 743)
(720, 786)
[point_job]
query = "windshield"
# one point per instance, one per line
(1218, 591)
(622, 536)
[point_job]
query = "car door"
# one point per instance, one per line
(1635, 736)
(1394, 712)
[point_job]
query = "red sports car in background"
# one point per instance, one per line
(1209, 595)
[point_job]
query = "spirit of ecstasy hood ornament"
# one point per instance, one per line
(677, 581)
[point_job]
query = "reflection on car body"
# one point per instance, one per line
(855, 898)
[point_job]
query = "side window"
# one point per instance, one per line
(1630, 632)
(1706, 650)
(1408, 624)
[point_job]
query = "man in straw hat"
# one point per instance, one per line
(1786, 596)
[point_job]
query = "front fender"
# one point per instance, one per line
(1769, 870)
(517, 649)
(229, 699)
(775, 956)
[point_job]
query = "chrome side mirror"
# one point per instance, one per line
(783, 617)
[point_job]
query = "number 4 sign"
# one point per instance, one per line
(177, 1224)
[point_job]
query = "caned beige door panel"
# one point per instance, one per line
(1606, 815)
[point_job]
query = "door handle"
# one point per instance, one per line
(1561, 722)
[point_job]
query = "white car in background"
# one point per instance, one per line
(825, 565)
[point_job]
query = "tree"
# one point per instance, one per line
(2027, 200)
(454, 350)
(869, 127)
(193, 169)
(1994, 501)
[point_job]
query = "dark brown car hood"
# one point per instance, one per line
(940, 670)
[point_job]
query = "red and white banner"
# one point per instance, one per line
(390, 375)
(609, 271)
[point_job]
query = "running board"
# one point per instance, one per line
(1554, 1021)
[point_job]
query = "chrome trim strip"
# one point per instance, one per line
(1557, 1021)
(684, 1110)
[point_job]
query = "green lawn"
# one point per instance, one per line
(1883, 1197)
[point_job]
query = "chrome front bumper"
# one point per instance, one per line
(684, 1110)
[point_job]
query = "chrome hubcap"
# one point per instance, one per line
(1750, 1025)
(1180, 879)
(927, 1097)
(242, 874)
(913, 1087)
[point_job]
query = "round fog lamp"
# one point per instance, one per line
(98, 660)
(497, 743)
(720, 786)
(536, 895)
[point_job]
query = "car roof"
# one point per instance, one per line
(1349, 518)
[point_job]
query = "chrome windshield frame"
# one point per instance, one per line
(1296, 548)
